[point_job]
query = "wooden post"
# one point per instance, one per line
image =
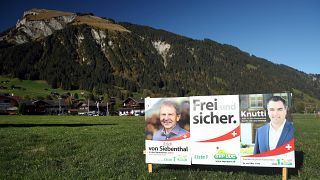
(149, 165)
(284, 173)
(150, 168)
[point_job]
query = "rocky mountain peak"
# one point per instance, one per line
(40, 23)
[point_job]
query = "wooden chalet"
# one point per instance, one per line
(132, 107)
(9, 104)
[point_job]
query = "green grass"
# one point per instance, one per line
(40, 88)
(81, 147)
(31, 88)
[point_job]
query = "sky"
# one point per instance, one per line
(281, 31)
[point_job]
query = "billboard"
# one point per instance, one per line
(215, 130)
(267, 133)
(236, 130)
(167, 130)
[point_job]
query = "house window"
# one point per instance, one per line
(256, 101)
(283, 95)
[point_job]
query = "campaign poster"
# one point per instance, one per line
(267, 133)
(167, 137)
(215, 130)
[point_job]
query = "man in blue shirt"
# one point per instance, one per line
(169, 116)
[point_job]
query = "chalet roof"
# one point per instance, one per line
(55, 102)
(33, 102)
(140, 101)
(46, 102)
(13, 98)
(17, 98)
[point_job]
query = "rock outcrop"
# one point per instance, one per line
(40, 23)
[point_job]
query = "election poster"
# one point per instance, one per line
(167, 130)
(215, 130)
(236, 130)
(267, 133)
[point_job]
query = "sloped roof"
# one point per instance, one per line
(140, 101)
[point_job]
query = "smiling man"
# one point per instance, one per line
(276, 133)
(169, 116)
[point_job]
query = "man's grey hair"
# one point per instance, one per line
(172, 104)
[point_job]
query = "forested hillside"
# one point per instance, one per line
(115, 58)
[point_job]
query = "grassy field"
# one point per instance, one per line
(31, 88)
(80, 147)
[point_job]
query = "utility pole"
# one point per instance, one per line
(98, 108)
(107, 109)
(59, 105)
(88, 106)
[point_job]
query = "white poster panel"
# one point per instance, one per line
(282, 156)
(215, 130)
(167, 130)
(267, 133)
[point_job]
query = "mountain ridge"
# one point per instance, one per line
(134, 58)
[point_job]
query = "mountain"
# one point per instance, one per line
(83, 51)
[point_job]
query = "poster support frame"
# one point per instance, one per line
(284, 171)
(149, 168)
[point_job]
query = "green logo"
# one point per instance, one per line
(284, 161)
(223, 155)
(182, 158)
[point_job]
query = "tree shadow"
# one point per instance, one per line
(53, 125)
(299, 157)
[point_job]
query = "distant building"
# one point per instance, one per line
(55, 106)
(34, 106)
(9, 104)
(132, 107)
